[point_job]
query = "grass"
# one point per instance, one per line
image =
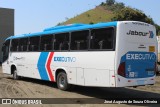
(96, 15)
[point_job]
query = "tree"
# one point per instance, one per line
(157, 29)
(116, 7)
(91, 23)
(110, 2)
(132, 14)
(119, 6)
(59, 24)
(102, 4)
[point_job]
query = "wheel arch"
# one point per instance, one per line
(13, 67)
(58, 70)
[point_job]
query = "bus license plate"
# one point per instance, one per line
(151, 48)
(150, 72)
(140, 82)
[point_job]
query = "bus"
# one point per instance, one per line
(108, 54)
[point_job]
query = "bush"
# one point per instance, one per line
(110, 2)
(132, 14)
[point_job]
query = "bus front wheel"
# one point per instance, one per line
(15, 76)
(62, 82)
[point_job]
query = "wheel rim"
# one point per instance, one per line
(61, 81)
(15, 75)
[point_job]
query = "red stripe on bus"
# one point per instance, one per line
(49, 66)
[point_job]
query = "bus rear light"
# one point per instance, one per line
(121, 69)
(155, 68)
(113, 76)
(152, 78)
(129, 81)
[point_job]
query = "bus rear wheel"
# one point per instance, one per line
(62, 82)
(15, 76)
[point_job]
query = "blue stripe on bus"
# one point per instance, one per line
(139, 64)
(41, 65)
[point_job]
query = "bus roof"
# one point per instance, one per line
(66, 28)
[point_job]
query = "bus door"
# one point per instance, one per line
(5, 57)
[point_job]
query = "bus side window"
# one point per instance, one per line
(15, 45)
(61, 41)
(34, 43)
(79, 40)
(46, 42)
(23, 42)
(102, 38)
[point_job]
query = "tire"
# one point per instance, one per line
(15, 76)
(62, 82)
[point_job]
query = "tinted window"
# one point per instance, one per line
(102, 38)
(34, 43)
(46, 42)
(61, 41)
(79, 40)
(23, 42)
(15, 43)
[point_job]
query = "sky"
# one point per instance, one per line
(36, 15)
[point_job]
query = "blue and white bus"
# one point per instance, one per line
(113, 54)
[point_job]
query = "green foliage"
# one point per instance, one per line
(91, 23)
(102, 4)
(99, 14)
(59, 24)
(157, 29)
(115, 7)
(119, 6)
(132, 14)
(111, 11)
(110, 2)
(88, 15)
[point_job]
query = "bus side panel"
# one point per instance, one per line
(80, 76)
(82, 68)
(6, 67)
(95, 77)
(87, 68)
(26, 63)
